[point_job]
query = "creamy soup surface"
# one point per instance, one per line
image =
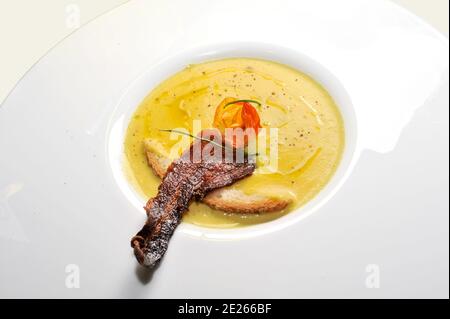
(310, 131)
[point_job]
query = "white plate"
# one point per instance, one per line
(65, 209)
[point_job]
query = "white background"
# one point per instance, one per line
(28, 29)
(388, 213)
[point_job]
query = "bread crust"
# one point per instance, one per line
(227, 200)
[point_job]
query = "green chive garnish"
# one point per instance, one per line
(196, 137)
(204, 140)
(243, 101)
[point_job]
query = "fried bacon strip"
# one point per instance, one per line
(185, 180)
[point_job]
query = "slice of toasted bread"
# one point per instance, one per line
(225, 199)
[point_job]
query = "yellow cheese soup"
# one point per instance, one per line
(310, 137)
